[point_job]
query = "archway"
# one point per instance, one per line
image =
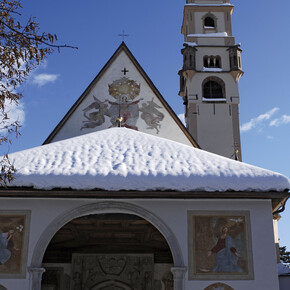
(105, 208)
(105, 249)
(108, 285)
(218, 286)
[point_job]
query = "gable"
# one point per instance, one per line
(122, 95)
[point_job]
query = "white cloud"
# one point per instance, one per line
(43, 79)
(15, 112)
(258, 120)
(181, 118)
(285, 119)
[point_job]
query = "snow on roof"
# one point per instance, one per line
(214, 5)
(210, 5)
(190, 43)
(283, 270)
(124, 159)
(215, 34)
(212, 69)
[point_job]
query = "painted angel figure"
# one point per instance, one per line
(97, 116)
(151, 115)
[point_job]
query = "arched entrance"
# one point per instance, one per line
(111, 207)
(109, 285)
(109, 249)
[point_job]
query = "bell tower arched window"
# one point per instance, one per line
(213, 88)
(209, 22)
(212, 61)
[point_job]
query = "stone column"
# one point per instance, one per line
(178, 276)
(35, 278)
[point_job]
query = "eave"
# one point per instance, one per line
(277, 198)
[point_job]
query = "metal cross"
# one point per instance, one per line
(124, 71)
(123, 35)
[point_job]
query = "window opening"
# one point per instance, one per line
(212, 61)
(212, 90)
(209, 22)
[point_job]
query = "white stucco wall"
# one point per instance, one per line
(174, 214)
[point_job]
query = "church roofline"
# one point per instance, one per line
(277, 197)
(122, 47)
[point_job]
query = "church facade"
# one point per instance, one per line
(121, 195)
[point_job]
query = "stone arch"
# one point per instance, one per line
(218, 286)
(107, 284)
(106, 207)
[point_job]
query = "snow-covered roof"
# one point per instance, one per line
(124, 159)
(283, 270)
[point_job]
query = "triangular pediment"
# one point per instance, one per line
(122, 95)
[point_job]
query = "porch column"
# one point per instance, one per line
(35, 278)
(178, 277)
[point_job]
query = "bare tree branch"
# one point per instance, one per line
(22, 47)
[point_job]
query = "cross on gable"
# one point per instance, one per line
(123, 35)
(124, 71)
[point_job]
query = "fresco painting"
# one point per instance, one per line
(123, 108)
(13, 243)
(220, 246)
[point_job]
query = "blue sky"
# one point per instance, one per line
(262, 28)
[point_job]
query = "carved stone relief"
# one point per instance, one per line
(112, 271)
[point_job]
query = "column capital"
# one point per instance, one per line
(33, 270)
(178, 276)
(35, 277)
(178, 272)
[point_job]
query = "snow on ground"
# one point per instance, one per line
(124, 159)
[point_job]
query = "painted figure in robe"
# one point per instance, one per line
(226, 255)
(6, 244)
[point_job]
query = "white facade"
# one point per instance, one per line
(55, 213)
(166, 183)
(201, 204)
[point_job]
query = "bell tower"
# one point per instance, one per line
(210, 75)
